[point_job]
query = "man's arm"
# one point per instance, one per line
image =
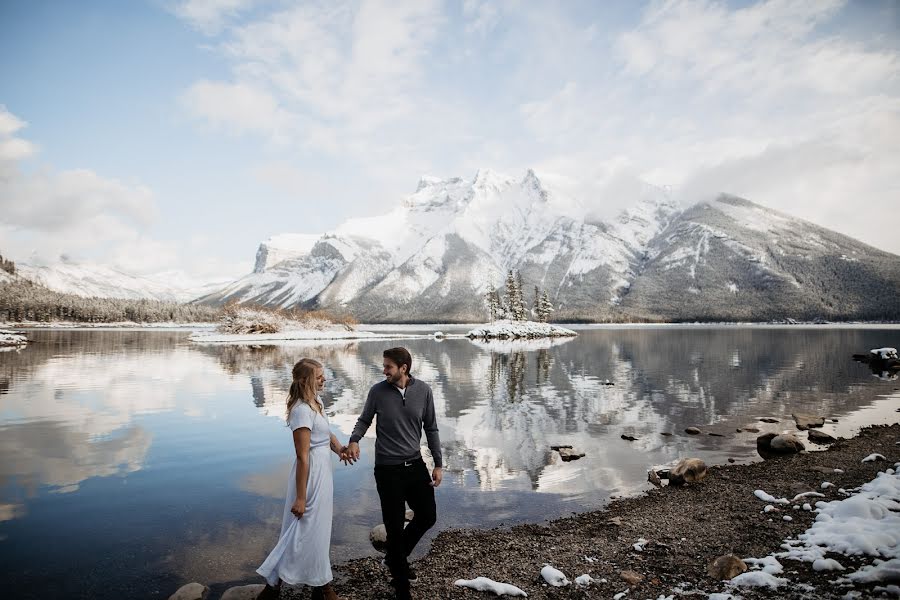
(429, 424)
(362, 425)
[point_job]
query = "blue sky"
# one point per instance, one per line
(179, 134)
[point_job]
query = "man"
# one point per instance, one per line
(404, 406)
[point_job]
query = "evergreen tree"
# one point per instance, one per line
(521, 311)
(545, 307)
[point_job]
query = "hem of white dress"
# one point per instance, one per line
(294, 582)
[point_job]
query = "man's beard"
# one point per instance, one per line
(394, 379)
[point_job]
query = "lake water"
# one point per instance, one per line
(132, 462)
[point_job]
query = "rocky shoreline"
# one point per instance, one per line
(685, 528)
(656, 546)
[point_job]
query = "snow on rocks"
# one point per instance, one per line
(639, 545)
(873, 458)
(884, 353)
(554, 576)
(12, 339)
(808, 495)
(864, 524)
(758, 579)
(765, 497)
(584, 580)
(483, 584)
(519, 329)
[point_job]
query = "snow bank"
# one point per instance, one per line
(483, 584)
(519, 329)
(884, 353)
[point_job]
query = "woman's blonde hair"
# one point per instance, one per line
(304, 387)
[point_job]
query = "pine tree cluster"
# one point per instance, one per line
(7, 265)
(512, 305)
(22, 300)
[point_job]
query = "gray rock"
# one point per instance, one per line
(787, 443)
(805, 421)
(771, 445)
(725, 567)
(692, 431)
(191, 591)
(378, 537)
(243, 592)
(752, 429)
(688, 470)
(820, 437)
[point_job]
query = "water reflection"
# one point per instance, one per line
(95, 424)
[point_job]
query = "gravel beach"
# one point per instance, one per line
(685, 529)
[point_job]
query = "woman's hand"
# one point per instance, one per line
(299, 508)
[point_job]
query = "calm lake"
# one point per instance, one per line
(132, 462)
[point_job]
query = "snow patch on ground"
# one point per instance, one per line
(866, 523)
(483, 584)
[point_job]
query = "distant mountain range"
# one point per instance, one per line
(100, 281)
(433, 257)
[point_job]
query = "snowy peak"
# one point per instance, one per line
(283, 247)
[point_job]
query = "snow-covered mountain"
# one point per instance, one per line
(435, 255)
(731, 259)
(96, 280)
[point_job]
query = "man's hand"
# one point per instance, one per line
(299, 508)
(436, 476)
(353, 450)
(345, 455)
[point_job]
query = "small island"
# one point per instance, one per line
(509, 317)
(255, 324)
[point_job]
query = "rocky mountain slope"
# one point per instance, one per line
(433, 257)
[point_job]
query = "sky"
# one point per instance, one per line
(164, 135)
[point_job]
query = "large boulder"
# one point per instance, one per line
(771, 445)
(688, 470)
(191, 591)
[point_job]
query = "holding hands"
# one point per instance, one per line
(349, 454)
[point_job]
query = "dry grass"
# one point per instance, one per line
(248, 318)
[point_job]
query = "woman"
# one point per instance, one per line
(301, 555)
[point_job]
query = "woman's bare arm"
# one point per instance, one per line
(301, 447)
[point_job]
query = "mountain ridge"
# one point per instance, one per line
(435, 255)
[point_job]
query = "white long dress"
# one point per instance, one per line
(301, 555)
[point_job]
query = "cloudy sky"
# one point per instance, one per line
(180, 133)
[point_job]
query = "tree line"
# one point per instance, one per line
(22, 300)
(512, 305)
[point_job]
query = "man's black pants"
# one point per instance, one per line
(398, 485)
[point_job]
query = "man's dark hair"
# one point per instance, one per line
(400, 356)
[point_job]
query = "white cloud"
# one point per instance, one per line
(79, 214)
(209, 16)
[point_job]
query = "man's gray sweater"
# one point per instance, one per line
(398, 431)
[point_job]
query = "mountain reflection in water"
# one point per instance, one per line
(141, 454)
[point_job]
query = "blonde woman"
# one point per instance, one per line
(301, 554)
